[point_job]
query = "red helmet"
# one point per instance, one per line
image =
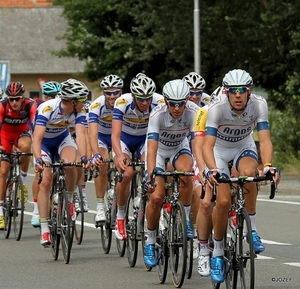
(15, 89)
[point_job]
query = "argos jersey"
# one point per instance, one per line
(135, 123)
(168, 131)
(51, 116)
(101, 114)
(230, 128)
(204, 100)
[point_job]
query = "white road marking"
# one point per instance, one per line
(293, 264)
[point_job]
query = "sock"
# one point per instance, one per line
(218, 248)
(35, 207)
(204, 248)
(121, 213)
(151, 236)
(187, 210)
(44, 225)
(23, 177)
(253, 221)
(70, 196)
(100, 203)
(1, 208)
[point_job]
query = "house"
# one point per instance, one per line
(29, 29)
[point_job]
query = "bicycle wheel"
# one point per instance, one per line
(245, 252)
(18, 208)
(162, 253)
(121, 244)
(211, 248)
(7, 208)
(54, 232)
(189, 260)
(67, 229)
(178, 244)
(79, 223)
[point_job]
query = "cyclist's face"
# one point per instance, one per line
(111, 94)
(16, 102)
(176, 108)
(143, 101)
(195, 95)
(238, 97)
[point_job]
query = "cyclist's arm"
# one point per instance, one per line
(208, 151)
(80, 139)
(38, 135)
(266, 146)
(152, 146)
(116, 137)
(93, 136)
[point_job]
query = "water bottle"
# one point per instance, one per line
(166, 212)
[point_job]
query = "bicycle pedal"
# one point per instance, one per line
(99, 224)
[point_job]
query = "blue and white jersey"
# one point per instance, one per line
(101, 114)
(232, 129)
(135, 122)
(50, 115)
(168, 131)
(204, 100)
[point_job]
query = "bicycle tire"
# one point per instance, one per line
(18, 208)
(178, 244)
(162, 253)
(190, 259)
(66, 226)
(131, 227)
(121, 244)
(245, 251)
(7, 208)
(54, 222)
(79, 222)
(211, 247)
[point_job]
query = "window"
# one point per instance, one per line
(34, 94)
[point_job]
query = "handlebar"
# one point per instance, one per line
(174, 173)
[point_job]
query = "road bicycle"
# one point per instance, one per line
(136, 211)
(60, 224)
(239, 252)
(171, 238)
(13, 205)
(110, 199)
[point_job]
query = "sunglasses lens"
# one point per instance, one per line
(108, 92)
(14, 98)
(141, 98)
(197, 93)
(176, 103)
(235, 90)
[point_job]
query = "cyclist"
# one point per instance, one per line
(100, 119)
(49, 90)
(232, 116)
(16, 120)
(197, 84)
(129, 127)
(169, 126)
(52, 140)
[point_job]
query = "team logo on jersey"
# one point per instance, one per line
(161, 101)
(95, 105)
(122, 101)
(206, 99)
(47, 109)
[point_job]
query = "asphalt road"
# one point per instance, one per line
(26, 264)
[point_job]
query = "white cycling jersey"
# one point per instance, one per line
(50, 115)
(232, 129)
(204, 100)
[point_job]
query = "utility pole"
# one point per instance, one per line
(197, 54)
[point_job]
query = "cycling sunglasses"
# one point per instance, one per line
(17, 98)
(176, 103)
(82, 99)
(197, 93)
(235, 90)
(143, 98)
(114, 92)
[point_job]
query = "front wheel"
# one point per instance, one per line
(7, 208)
(245, 251)
(18, 208)
(79, 222)
(178, 244)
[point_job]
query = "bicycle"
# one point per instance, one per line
(13, 205)
(135, 213)
(239, 252)
(110, 199)
(60, 224)
(171, 239)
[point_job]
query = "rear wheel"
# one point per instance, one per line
(162, 253)
(54, 232)
(178, 244)
(79, 223)
(189, 260)
(18, 208)
(7, 208)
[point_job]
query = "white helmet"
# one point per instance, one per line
(237, 77)
(73, 88)
(195, 80)
(176, 89)
(111, 81)
(142, 85)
